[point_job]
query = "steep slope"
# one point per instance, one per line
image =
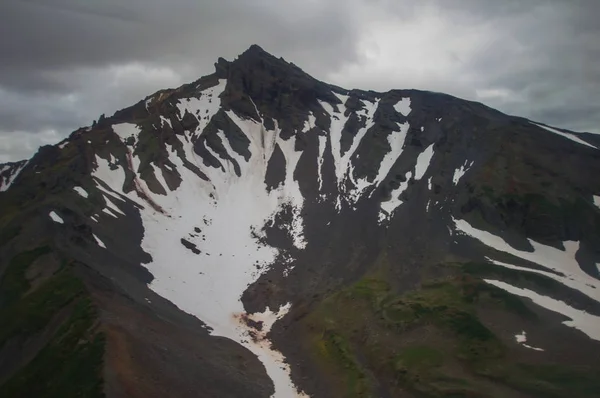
(354, 243)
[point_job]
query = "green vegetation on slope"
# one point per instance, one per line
(70, 364)
(427, 343)
(14, 284)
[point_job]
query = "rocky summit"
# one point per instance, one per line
(260, 233)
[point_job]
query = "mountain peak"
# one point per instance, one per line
(255, 49)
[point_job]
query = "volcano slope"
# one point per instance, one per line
(260, 233)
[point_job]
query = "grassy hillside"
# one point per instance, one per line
(429, 343)
(59, 313)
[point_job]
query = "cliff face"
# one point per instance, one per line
(258, 232)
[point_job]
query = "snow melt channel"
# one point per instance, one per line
(222, 219)
(569, 136)
(580, 320)
(561, 261)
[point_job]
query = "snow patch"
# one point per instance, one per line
(403, 106)
(388, 207)
(100, 243)
(322, 146)
(571, 137)
(423, 161)
(597, 201)
(6, 182)
(111, 205)
(82, 192)
(396, 141)
(166, 121)
(110, 213)
(458, 173)
(522, 338)
(205, 107)
(562, 261)
(126, 130)
(344, 169)
(581, 320)
(55, 217)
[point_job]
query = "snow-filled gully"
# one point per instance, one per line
(220, 219)
(209, 282)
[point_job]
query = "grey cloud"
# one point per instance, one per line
(64, 62)
(65, 35)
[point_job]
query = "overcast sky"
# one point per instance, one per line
(65, 62)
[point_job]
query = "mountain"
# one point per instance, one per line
(261, 233)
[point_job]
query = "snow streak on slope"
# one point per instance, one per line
(581, 320)
(100, 243)
(82, 192)
(458, 173)
(522, 338)
(222, 219)
(388, 207)
(572, 137)
(7, 181)
(562, 261)
(597, 201)
(205, 107)
(322, 146)
(344, 168)
(396, 141)
(55, 217)
(423, 161)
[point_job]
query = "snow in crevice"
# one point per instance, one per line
(55, 217)
(396, 141)
(205, 107)
(569, 136)
(423, 161)
(82, 192)
(320, 159)
(388, 207)
(597, 201)
(165, 121)
(458, 173)
(99, 242)
(230, 212)
(581, 320)
(344, 170)
(522, 339)
(403, 106)
(126, 131)
(110, 213)
(112, 206)
(6, 183)
(561, 261)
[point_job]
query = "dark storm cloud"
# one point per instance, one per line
(64, 62)
(50, 36)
